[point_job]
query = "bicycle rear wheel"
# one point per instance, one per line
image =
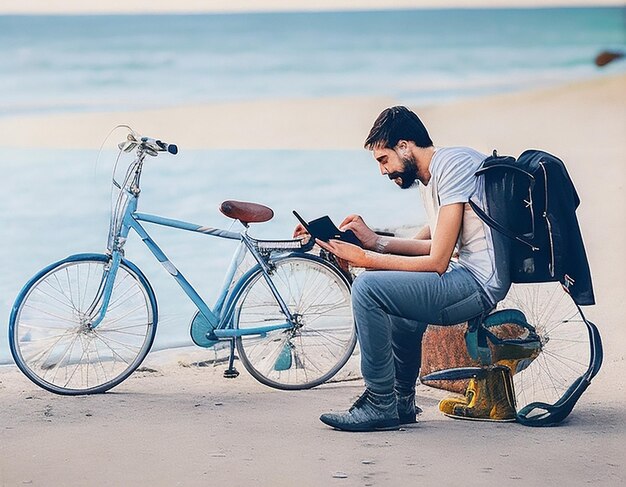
(313, 351)
(570, 351)
(49, 333)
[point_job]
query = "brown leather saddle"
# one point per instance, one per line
(246, 212)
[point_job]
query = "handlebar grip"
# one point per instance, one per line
(171, 148)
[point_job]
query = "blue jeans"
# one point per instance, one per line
(392, 310)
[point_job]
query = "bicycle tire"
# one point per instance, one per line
(569, 352)
(48, 333)
(308, 355)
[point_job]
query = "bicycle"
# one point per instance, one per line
(82, 325)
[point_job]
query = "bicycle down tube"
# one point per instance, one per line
(215, 317)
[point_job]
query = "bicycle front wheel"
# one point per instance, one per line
(323, 338)
(50, 335)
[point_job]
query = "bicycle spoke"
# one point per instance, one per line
(126, 346)
(323, 337)
(53, 342)
(62, 318)
(565, 351)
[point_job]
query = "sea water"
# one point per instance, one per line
(52, 63)
(55, 202)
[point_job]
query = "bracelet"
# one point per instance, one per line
(381, 245)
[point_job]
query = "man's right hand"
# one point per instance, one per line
(364, 233)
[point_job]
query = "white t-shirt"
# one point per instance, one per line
(452, 181)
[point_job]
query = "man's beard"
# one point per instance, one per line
(408, 175)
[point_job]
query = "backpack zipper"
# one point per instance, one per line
(545, 215)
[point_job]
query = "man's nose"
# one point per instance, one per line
(383, 171)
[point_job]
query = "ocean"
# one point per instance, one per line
(56, 202)
(61, 63)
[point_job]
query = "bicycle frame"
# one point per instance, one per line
(220, 316)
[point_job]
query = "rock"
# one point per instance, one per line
(147, 370)
(605, 57)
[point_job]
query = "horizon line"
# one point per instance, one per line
(156, 7)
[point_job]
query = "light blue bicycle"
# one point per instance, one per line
(84, 324)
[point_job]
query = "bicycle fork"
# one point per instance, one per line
(97, 309)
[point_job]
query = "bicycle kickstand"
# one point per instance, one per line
(231, 372)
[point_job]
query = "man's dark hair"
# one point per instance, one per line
(395, 124)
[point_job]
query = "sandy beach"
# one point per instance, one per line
(176, 424)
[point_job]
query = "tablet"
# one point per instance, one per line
(324, 229)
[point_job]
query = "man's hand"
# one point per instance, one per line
(352, 254)
(364, 233)
(300, 232)
(434, 257)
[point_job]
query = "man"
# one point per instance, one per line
(411, 283)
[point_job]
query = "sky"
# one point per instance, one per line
(191, 6)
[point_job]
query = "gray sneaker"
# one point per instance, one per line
(370, 412)
(407, 410)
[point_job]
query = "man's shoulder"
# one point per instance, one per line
(459, 152)
(450, 156)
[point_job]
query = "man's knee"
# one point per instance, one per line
(366, 287)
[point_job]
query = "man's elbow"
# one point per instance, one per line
(440, 266)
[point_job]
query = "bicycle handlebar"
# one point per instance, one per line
(159, 145)
(147, 143)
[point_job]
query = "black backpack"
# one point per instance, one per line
(532, 201)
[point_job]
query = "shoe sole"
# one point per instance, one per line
(363, 428)
(466, 418)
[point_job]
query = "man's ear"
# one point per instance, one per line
(403, 146)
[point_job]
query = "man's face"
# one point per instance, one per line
(400, 167)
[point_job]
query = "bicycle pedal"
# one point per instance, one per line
(231, 373)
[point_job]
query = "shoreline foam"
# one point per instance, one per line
(337, 122)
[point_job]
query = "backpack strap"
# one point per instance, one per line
(484, 168)
(496, 226)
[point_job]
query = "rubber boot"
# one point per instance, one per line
(370, 412)
(447, 405)
(491, 398)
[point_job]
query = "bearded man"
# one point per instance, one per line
(410, 283)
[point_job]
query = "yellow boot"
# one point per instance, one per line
(447, 405)
(490, 398)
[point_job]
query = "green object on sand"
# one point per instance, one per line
(285, 357)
